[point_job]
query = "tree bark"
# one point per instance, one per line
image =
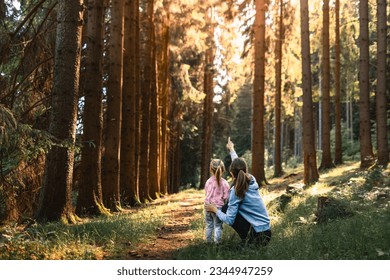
(366, 154)
(128, 177)
(55, 197)
(338, 156)
(258, 109)
(278, 94)
(381, 100)
(154, 156)
(90, 197)
(208, 108)
(146, 88)
(326, 161)
(309, 153)
(164, 95)
(111, 175)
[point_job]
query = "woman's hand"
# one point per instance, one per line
(211, 208)
(230, 145)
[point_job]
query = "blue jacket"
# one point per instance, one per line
(251, 207)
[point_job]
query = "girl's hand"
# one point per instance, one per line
(211, 208)
(230, 145)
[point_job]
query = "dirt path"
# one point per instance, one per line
(174, 234)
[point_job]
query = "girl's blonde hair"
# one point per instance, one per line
(241, 179)
(217, 167)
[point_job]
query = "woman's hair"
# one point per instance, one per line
(238, 169)
(217, 168)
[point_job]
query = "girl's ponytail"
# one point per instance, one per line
(217, 168)
(218, 175)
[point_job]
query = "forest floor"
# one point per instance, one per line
(172, 226)
(174, 234)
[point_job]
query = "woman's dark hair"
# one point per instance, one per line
(241, 178)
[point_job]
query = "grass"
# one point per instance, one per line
(296, 232)
(98, 238)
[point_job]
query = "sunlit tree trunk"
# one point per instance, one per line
(55, 197)
(309, 153)
(164, 90)
(366, 154)
(90, 197)
(111, 192)
(278, 95)
(154, 118)
(338, 156)
(381, 102)
(326, 161)
(258, 109)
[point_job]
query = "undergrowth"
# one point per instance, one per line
(298, 234)
(98, 238)
(297, 231)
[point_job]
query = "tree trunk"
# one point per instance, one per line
(146, 87)
(90, 197)
(381, 102)
(111, 193)
(128, 182)
(366, 154)
(338, 156)
(258, 95)
(164, 87)
(208, 109)
(309, 153)
(278, 95)
(55, 197)
(154, 118)
(11, 212)
(137, 101)
(326, 161)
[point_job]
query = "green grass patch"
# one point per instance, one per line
(98, 238)
(297, 234)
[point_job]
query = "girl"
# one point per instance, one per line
(216, 189)
(246, 211)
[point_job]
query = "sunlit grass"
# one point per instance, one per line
(97, 238)
(296, 234)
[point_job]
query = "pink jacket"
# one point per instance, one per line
(216, 194)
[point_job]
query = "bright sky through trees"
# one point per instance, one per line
(236, 42)
(16, 4)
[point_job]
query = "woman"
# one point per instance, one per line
(246, 211)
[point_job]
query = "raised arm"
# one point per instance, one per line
(230, 147)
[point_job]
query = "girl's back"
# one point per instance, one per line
(216, 194)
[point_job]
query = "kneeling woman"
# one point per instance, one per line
(246, 211)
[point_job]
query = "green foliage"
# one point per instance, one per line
(25, 144)
(334, 209)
